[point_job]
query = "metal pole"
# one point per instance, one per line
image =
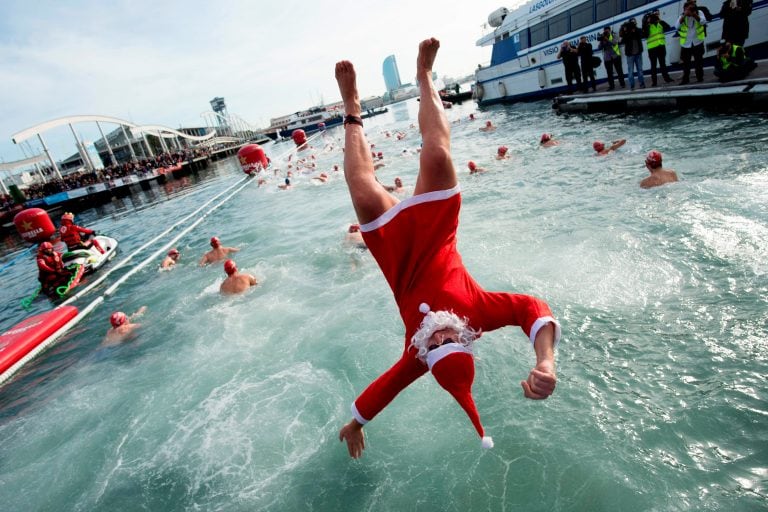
(32, 152)
(50, 158)
(109, 148)
(128, 141)
(81, 149)
(162, 142)
(149, 149)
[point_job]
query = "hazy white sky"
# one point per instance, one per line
(161, 62)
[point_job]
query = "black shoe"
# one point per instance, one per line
(668, 79)
(699, 80)
(653, 84)
(623, 86)
(684, 81)
(611, 88)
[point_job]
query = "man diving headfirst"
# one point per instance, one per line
(414, 242)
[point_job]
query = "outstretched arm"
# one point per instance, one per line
(542, 380)
(353, 434)
(617, 144)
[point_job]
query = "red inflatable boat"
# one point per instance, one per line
(23, 338)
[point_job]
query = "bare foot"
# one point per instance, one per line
(427, 53)
(347, 80)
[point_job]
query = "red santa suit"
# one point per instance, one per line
(414, 243)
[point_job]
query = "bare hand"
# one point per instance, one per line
(353, 434)
(541, 381)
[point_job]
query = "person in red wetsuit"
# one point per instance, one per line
(51, 271)
(70, 234)
(414, 242)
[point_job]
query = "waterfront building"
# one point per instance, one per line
(391, 74)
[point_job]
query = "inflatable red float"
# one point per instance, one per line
(252, 158)
(34, 225)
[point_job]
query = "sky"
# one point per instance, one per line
(161, 62)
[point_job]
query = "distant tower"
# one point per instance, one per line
(391, 74)
(218, 106)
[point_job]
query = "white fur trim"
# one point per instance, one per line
(541, 322)
(443, 351)
(436, 195)
(487, 442)
(424, 308)
(359, 417)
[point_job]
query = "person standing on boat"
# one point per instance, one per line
(414, 242)
(611, 56)
(659, 175)
(217, 253)
(632, 38)
(570, 57)
(70, 234)
(656, 43)
(692, 30)
(584, 51)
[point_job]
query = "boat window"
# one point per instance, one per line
(521, 39)
(558, 25)
(539, 33)
(581, 16)
(607, 8)
(631, 4)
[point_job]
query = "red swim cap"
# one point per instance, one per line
(503, 150)
(215, 242)
(230, 267)
(173, 252)
(472, 165)
(545, 137)
(598, 146)
(117, 319)
(354, 228)
(653, 158)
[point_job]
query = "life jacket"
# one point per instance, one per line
(615, 47)
(70, 235)
(725, 60)
(655, 36)
(49, 265)
(701, 33)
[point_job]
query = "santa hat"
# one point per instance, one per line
(452, 364)
(453, 367)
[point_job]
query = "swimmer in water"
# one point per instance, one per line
(354, 238)
(659, 175)
(601, 150)
(397, 188)
(122, 326)
(414, 242)
(285, 186)
(235, 282)
(218, 252)
(473, 168)
(170, 259)
(488, 127)
(501, 153)
(547, 141)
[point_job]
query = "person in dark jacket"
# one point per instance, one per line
(584, 51)
(571, 63)
(632, 38)
(654, 29)
(735, 14)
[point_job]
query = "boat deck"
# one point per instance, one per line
(750, 94)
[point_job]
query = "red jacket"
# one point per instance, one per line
(70, 235)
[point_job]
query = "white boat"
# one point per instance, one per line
(312, 120)
(526, 41)
(91, 258)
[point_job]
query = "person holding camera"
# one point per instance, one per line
(571, 64)
(584, 51)
(656, 43)
(632, 38)
(611, 56)
(735, 14)
(692, 30)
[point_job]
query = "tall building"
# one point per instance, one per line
(391, 74)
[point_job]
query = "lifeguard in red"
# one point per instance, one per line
(414, 243)
(70, 234)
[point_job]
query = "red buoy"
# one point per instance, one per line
(252, 158)
(34, 225)
(299, 137)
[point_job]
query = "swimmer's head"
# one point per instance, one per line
(502, 150)
(545, 137)
(653, 159)
(215, 242)
(174, 253)
(354, 228)
(117, 319)
(398, 182)
(68, 218)
(598, 146)
(472, 165)
(230, 267)
(472, 116)
(380, 155)
(488, 124)
(46, 248)
(287, 181)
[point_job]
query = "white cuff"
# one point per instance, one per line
(541, 322)
(356, 414)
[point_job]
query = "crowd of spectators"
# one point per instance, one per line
(139, 168)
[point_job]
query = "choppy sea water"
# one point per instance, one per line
(235, 403)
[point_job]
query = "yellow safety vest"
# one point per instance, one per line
(615, 47)
(655, 36)
(700, 35)
(725, 60)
